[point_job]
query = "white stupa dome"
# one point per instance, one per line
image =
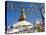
(21, 23)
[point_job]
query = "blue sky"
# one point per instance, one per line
(32, 12)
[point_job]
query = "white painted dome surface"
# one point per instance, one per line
(22, 23)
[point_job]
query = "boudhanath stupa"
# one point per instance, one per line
(22, 25)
